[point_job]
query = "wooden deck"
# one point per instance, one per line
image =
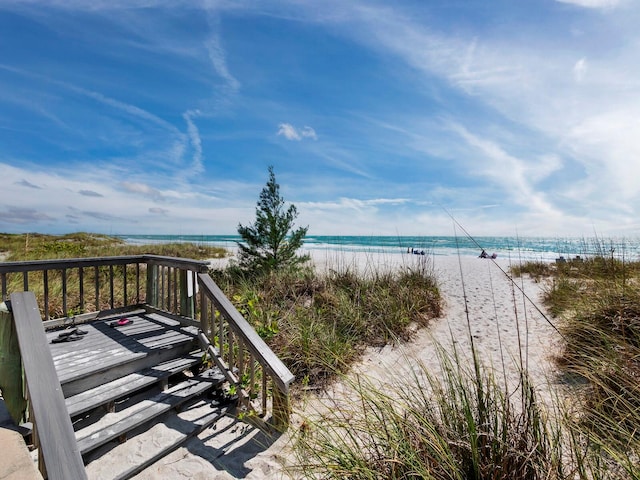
(105, 353)
(111, 383)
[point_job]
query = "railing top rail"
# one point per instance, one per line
(59, 264)
(261, 351)
(178, 262)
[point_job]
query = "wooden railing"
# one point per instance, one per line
(77, 290)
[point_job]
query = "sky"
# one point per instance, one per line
(379, 118)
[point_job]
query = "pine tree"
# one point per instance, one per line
(270, 243)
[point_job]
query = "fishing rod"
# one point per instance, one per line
(514, 283)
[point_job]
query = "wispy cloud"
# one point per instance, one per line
(90, 193)
(25, 183)
(196, 142)
(290, 132)
(23, 216)
(593, 3)
(217, 54)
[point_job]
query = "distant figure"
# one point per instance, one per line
(483, 254)
(408, 249)
(494, 255)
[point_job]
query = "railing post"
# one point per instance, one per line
(11, 367)
(186, 301)
(281, 409)
(152, 285)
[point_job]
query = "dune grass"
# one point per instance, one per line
(319, 323)
(37, 246)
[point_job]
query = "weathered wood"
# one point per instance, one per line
(81, 287)
(87, 317)
(281, 410)
(184, 299)
(64, 292)
(45, 279)
(3, 279)
(82, 365)
(137, 282)
(161, 403)
(96, 280)
(217, 359)
(110, 286)
(124, 285)
(152, 285)
(57, 440)
(108, 392)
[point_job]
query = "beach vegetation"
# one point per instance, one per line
(271, 243)
(38, 246)
(596, 302)
(34, 246)
(319, 323)
(450, 420)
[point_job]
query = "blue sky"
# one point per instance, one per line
(142, 116)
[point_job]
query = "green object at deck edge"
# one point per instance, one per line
(11, 379)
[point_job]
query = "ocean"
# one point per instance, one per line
(515, 248)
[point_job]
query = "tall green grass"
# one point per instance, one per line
(318, 323)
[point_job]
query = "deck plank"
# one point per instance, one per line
(105, 347)
(139, 415)
(108, 392)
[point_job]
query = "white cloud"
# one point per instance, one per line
(290, 132)
(196, 142)
(593, 3)
(309, 132)
(580, 70)
(218, 58)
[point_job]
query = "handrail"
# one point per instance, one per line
(279, 373)
(100, 279)
(161, 283)
(56, 440)
(66, 263)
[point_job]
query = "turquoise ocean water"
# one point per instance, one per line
(526, 248)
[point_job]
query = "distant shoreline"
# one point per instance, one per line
(513, 248)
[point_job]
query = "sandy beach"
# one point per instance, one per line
(505, 327)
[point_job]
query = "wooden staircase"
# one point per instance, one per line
(112, 404)
(143, 377)
(118, 382)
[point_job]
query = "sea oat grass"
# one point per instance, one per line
(458, 425)
(319, 323)
(597, 303)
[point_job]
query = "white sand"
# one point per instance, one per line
(220, 454)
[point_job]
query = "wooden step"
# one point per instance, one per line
(115, 425)
(106, 353)
(168, 434)
(123, 386)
